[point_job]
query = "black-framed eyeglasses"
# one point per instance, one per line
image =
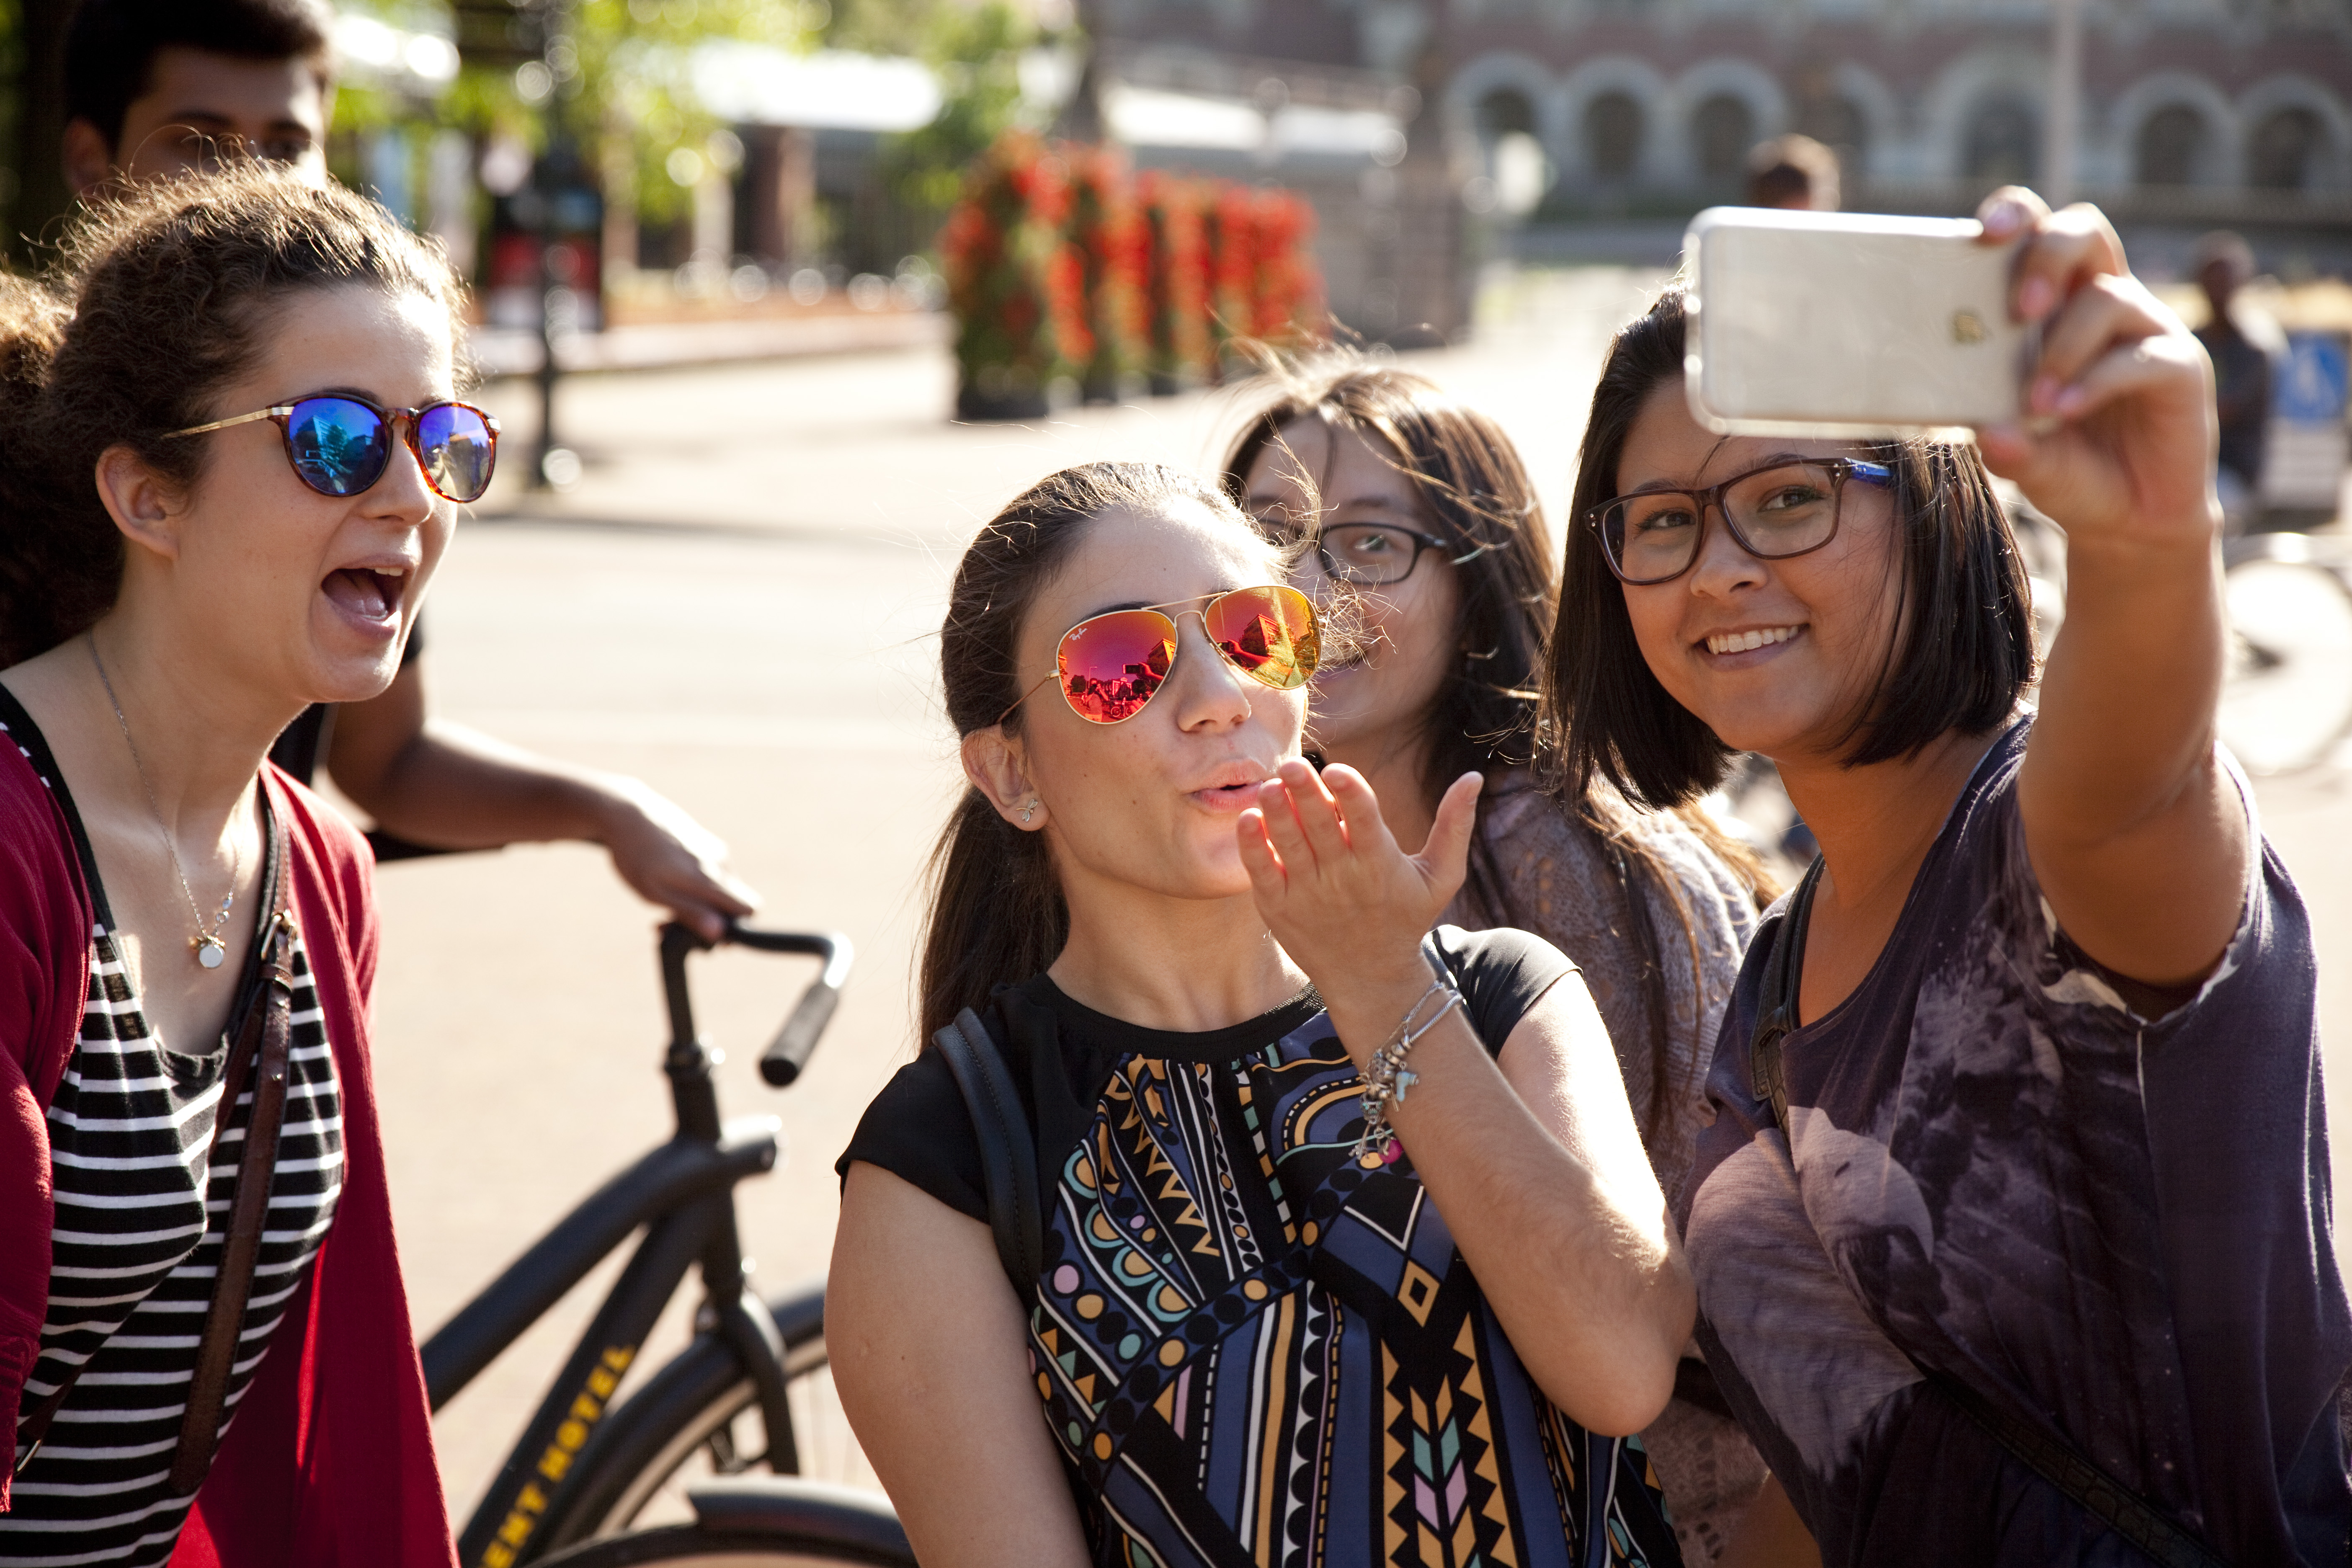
(1786, 507)
(1372, 554)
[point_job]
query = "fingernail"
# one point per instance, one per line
(2043, 394)
(2005, 216)
(2071, 400)
(2034, 297)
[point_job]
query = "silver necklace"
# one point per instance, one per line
(211, 948)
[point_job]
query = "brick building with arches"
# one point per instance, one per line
(2193, 111)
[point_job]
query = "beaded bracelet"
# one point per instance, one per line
(1387, 1079)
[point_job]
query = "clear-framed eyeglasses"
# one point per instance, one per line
(1783, 509)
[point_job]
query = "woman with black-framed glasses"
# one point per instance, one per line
(231, 458)
(1421, 517)
(2012, 1226)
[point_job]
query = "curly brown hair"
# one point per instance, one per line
(160, 298)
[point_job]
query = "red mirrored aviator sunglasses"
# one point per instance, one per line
(1110, 665)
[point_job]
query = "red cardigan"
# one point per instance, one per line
(330, 1462)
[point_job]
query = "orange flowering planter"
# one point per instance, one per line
(1175, 281)
(1059, 264)
(1107, 235)
(1015, 285)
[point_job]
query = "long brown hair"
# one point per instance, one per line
(1965, 656)
(160, 299)
(1474, 492)
(996, 911)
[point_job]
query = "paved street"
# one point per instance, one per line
(737, 604)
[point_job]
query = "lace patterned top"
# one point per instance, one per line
(1561, 881)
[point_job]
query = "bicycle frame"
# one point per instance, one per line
(682, 1193)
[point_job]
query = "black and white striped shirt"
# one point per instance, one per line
(137, 1236)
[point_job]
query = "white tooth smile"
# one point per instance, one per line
(1741, 642)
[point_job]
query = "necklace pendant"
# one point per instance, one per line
(211, 951)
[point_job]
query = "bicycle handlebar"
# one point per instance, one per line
(782, 1062)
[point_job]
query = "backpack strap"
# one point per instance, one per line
(1008, 1150)
(2037, 1445)
(1784, 973)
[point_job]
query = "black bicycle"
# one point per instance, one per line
(585, 1467)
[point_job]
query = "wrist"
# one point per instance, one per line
(603, 805)
(1368, 1007)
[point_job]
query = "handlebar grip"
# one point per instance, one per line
(789, 1052)
(782, 1062)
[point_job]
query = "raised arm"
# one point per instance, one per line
(1535, 1162)
(930, 1354)
(2137, 834)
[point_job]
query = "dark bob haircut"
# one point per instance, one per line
(1963, 657)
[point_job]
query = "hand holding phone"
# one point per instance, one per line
(1852, 324)
(2115, 437)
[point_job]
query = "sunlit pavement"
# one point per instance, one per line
(737, 604)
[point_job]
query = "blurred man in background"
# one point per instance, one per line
(2243, 345)
(1792, 171)
(159, 88)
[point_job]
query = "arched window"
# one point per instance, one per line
(2003, 142)
(1612, 134)
(1502, 111)
(2283, 153)
(1722, 131)
(2165, 151)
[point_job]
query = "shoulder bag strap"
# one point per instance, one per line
(270, 1019)
(2035, 1445)
(1008, 1151)
(1784, 974)
(271, 1008)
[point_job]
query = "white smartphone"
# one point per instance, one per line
(1850, 324)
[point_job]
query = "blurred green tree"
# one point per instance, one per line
(617, 83)
(977, 50)
(614, 77)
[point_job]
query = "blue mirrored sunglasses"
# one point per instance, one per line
(339, 446)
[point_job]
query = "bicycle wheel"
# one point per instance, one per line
(2287, 698)
(774, 1523)
(703, 1548)
(698, 1419)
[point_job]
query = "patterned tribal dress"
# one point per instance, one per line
(1250, 1348)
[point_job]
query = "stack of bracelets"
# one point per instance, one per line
(1387, 1079)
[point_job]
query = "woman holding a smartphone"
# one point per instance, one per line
(1416, 511)
(2012, 1227)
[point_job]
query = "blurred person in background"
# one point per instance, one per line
(163, 88)
(2243, 345)
(230, 461)
(1421, 512)
(1792, 171)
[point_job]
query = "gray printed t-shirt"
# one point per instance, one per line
(2118, 1226)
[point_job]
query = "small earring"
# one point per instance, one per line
(1028, 810)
